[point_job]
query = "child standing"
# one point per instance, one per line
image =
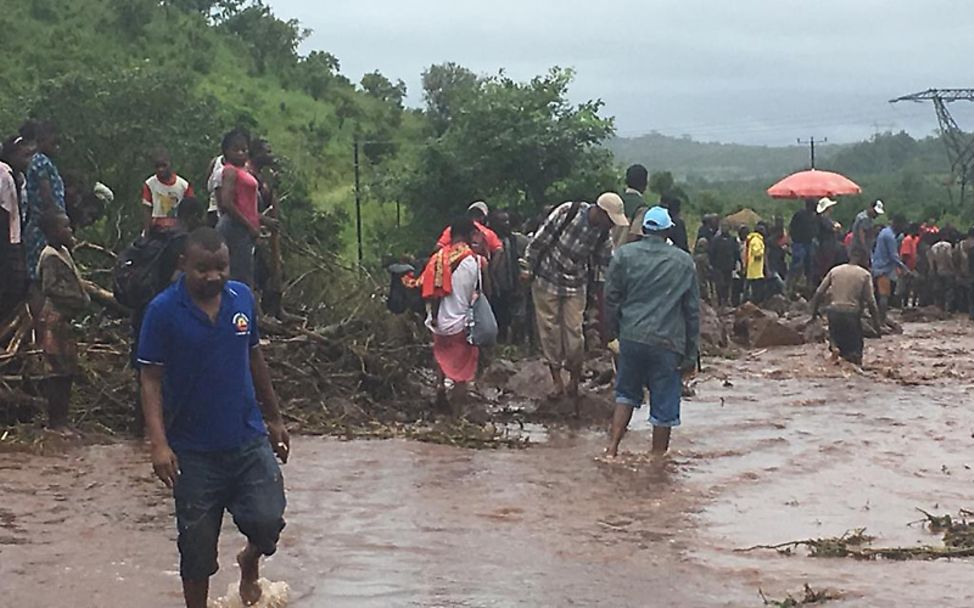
(162, 193)
(64, 299)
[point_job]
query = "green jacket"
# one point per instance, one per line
(652, 297)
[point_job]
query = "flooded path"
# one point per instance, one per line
(791, 447)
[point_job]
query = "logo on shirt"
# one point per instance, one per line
(241, 324)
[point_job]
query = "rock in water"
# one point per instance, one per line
(772, 333)
(273, 595)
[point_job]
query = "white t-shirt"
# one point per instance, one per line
(452, 318)
(9, 201)
(214, 182)
(163, 198)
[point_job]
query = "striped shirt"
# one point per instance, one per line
(563, 261)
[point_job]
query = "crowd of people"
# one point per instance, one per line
(615, 274)
(211, 415)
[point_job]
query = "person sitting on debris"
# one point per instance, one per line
(223, 424)
(161, 194)
(449, 284)
(653, 309)
(65, 298)
(845, 293)
(886, 263)
(573, 239)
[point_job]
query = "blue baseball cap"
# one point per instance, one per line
(657, 219)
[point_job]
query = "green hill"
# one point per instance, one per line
(122, 77)
(687, 158)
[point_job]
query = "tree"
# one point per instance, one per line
(272, 42)
(380, 87)
(317, 73)
(445, 87)
(516, 143)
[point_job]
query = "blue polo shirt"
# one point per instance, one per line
(208, 391)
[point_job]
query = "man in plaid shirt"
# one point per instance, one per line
(572, 242)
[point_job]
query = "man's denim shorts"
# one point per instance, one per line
(642, 366)
(246, 481)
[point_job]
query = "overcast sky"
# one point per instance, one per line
(754, 71)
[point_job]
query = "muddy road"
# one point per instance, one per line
(776, 446)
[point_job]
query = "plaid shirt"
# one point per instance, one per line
(564, 269)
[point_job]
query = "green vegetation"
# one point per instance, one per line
(122, 77)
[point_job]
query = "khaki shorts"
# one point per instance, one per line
(560, 326)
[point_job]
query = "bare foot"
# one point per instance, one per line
(610, 453)
(249, 562)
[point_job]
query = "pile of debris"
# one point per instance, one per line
(342, 366)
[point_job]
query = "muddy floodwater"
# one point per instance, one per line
(776, 446)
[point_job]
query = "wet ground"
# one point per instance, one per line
(778, 445)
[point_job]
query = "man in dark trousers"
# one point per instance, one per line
(847, 291)
(725, 255)
(222, 420)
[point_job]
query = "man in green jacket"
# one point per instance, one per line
(652, 305)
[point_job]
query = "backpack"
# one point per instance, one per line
(136, 278)
(572, 212)
(402, 298)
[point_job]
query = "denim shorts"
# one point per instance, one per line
(642, 366)
(245, 481)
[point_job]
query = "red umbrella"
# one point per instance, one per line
(813, 184)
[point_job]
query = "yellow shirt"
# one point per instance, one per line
(755, 256)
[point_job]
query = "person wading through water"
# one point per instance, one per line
(653, 308)
(214, 436)
(846, 292)
(449, 283)
(574, 237)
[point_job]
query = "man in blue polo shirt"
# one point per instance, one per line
(206, 394)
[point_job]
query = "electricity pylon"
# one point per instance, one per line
(960, 145)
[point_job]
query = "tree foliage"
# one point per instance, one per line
(513, 143)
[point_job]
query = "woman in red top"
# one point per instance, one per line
(240, 219)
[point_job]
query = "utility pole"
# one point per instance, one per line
(811, 142)
(358, 202)
(960, 145)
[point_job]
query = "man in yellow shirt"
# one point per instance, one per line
(754, 263)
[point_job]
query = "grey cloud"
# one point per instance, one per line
(761, 71)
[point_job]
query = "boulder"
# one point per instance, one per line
(769, 333)
(777, 304)
(713, 332)
(815, 332)
(498, 372)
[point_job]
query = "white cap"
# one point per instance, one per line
(824, 204)
(480, 206)
(878, 207)
(612, 204)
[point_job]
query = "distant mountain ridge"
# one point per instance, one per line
(713, 161)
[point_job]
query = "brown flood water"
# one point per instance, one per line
(796, 448)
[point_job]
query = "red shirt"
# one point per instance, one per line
(491, 239)
(245, 196)
(908, 251)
